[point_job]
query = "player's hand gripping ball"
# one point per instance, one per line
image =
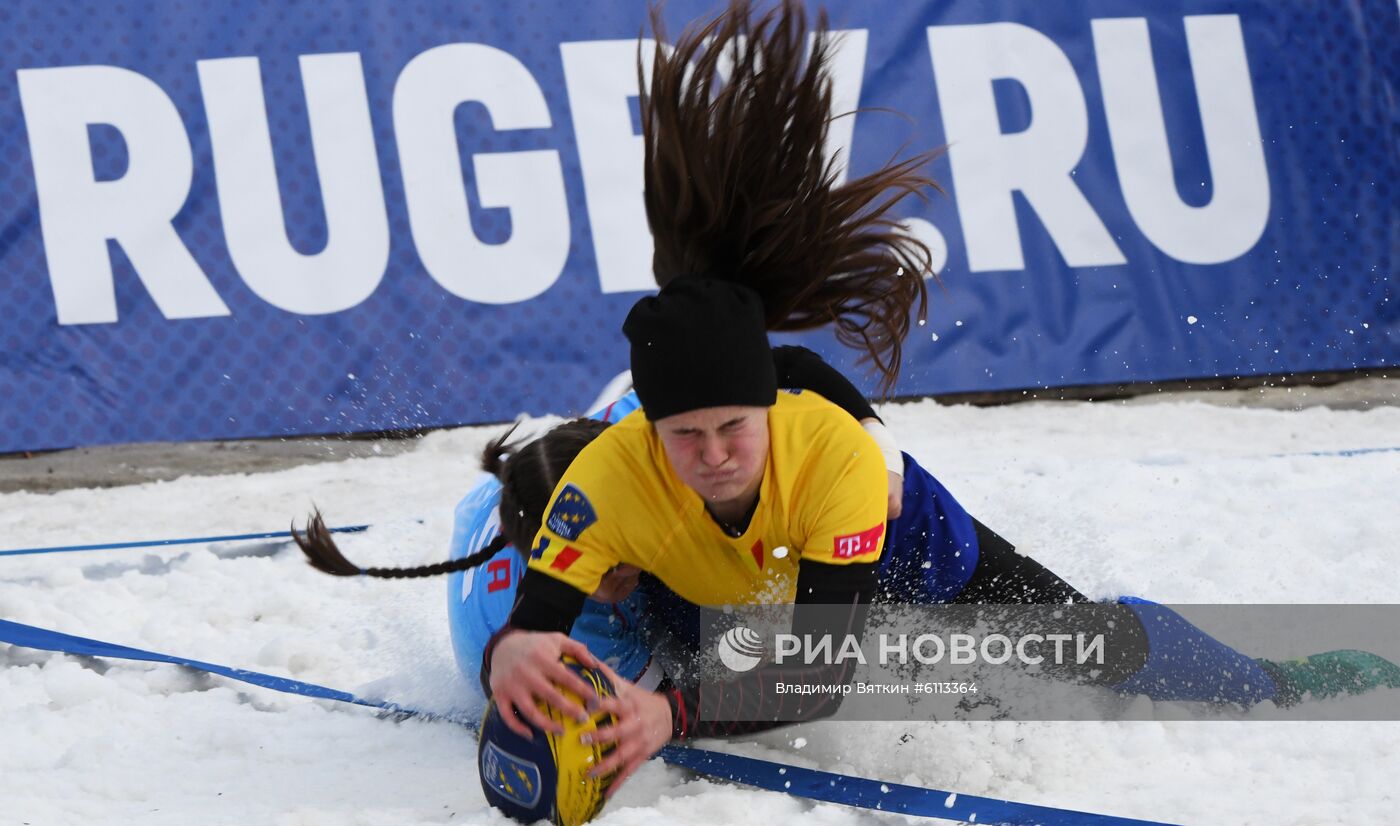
(546, 776)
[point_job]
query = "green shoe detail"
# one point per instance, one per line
(1327, 675)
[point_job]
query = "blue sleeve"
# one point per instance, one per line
(479, 600)
(619, 409)
(613, 635)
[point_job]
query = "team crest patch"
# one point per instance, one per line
(572, 513)
(859, 544)
(513, 777)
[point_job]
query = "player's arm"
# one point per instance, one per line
(522, 665)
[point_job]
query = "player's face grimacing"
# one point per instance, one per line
(720, 453)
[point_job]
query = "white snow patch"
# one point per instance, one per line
(1176, 502)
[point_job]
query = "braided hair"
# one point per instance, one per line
(532, 472)
(528, 474)
(738, 188)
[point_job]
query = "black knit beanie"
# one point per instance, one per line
(700, 343)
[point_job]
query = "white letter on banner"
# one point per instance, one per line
(601, 78)
(79, 214)
(847, 77)
(352, 263)
(530, 183)
(988, 165)
(1232, 222)
(846, 59)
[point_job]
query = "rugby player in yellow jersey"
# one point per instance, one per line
(760, 485)
(726, 489)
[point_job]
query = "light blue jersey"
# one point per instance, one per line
(479, 600)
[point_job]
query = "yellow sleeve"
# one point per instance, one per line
(849, 525)
(571, 545)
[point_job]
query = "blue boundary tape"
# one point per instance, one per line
(811, 784)
(1358, 451)
(153, 543)
(30, 636)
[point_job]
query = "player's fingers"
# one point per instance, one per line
(563, 704)
(559, 674)
(538, 719)
(602, 735)
(578, 651)
(555, 673)
(508, 717)
(609, 673)
(613, 762)
(526, 698)
(624, 760)
(611, 705)
(600, 702)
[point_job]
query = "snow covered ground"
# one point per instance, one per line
(1180, 502)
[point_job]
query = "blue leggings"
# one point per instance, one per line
(1155, 651)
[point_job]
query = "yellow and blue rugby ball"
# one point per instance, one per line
(546, 776)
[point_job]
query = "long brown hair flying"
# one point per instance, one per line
(738, 186)
(528, 472)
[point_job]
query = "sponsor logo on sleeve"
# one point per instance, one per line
(572, 513)
(859, 544)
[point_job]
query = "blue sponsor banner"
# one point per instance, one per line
(259, 219)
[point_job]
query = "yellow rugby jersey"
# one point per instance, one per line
(823, 497)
